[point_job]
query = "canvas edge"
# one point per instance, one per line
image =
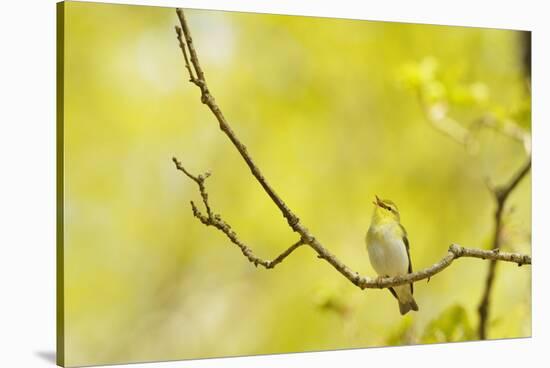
(60, 264)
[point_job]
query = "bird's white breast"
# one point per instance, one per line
(387, 252)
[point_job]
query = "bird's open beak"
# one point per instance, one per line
(376, 201)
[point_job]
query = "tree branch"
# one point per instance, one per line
(500, 195)
(437, 115)
(197, 77)
(455, 251)
(211, 219)
(208, 100)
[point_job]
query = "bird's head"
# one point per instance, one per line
(385, 211)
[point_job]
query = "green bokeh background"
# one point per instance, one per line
(324, 107)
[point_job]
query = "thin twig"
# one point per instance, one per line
(200, 182)
(437, 115)
(211, 219)
(192, 78)
(502, 193)
(508, 128)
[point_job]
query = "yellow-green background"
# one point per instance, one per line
(322, 107)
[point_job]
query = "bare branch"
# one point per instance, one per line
(494, 255)
(306, 237)
(192, 77)
(215, 220)
(455, 251)
(502, 193)
(189, 43)
(200, 182)
(208, 100)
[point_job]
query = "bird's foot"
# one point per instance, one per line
(380, 278)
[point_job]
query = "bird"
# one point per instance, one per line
(388, 249)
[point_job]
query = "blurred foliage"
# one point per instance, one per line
(451, 325)
(404, 334)
(328, 109)
(435, 85)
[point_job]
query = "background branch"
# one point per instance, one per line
(438, 117)
(437, 114)
(500, 195)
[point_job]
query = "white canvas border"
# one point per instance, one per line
(27, 188)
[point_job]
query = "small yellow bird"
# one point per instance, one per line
(388, 249)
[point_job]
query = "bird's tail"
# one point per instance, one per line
(408, 305)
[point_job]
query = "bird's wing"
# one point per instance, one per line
(406, 241)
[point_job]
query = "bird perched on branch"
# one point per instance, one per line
(388, 249)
